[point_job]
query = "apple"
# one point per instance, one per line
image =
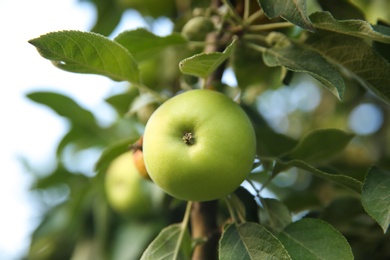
(127, 192)
(197, 28)
(199, 145)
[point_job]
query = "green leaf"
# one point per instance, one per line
(326, 174)
(85, 52)
(250, 70)
(203, 64)
(299, 58)
(113, 151)
(121, 102)
(356, 58)
(341, 9)
(314, 239)
(293, 11)
(109, 14)
(319, 145)
(66, 107)
(376, 196)
(143, 44)
(353, 27)
(164, 245)
(278, 215)
(250, 241)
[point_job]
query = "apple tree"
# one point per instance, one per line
(311, 77)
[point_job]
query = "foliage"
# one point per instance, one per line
(330, 184)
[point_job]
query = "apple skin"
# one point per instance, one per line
(199, 146)
(127, 192)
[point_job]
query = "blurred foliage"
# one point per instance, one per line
(312, 160)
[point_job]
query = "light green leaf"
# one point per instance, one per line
(164, 245)
(277, 214)
(143, 44)
(250, 241)
(352, 27)
(85, 52)
(203, 64)
(357, 59)
(293, 11)
(299, 58)
(319, 145)
(376, 196)
(314, 239)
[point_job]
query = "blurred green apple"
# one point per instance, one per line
(127, 191)
(199, 145)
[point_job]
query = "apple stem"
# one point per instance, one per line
(188, 138)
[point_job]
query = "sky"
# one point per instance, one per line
(27, 129)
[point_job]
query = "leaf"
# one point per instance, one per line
(109, 14)
(278, 215)
(250, 70)
(326, 174)
(203, 64)
(164, 245)
(85, 52)
(352, 27)
(357, 59)
(376, 196)
(66, 107)
(113, 151)
(121, 102)
(319, 145)
(299, 58)
(341, 9)
(293, 11)
(143, 44)
(250, 241)
(314, 239)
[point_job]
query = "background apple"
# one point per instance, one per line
(127, 192)
(199, 145)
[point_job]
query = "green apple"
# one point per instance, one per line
(197, 28)
(199, 145)
(127, 192)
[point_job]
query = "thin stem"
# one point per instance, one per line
(253, 17)
(246, 9)
(270, 26)
(256, 47)
(183, 229)
(235, 15)
(230, 209)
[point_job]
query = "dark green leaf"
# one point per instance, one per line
(203, 64)
(357, 59)
(249, 202)
(85, 52)
(382, 48)
(250, 241)
(293, 11)
(165, 245)
(299, 58)
(314, 239)
(376, 196)
(66, 107)
(250, 70)
(109, 15)
(278, 215)
(353, 27)
(320, 145)
(143, 44)
(341, 9)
